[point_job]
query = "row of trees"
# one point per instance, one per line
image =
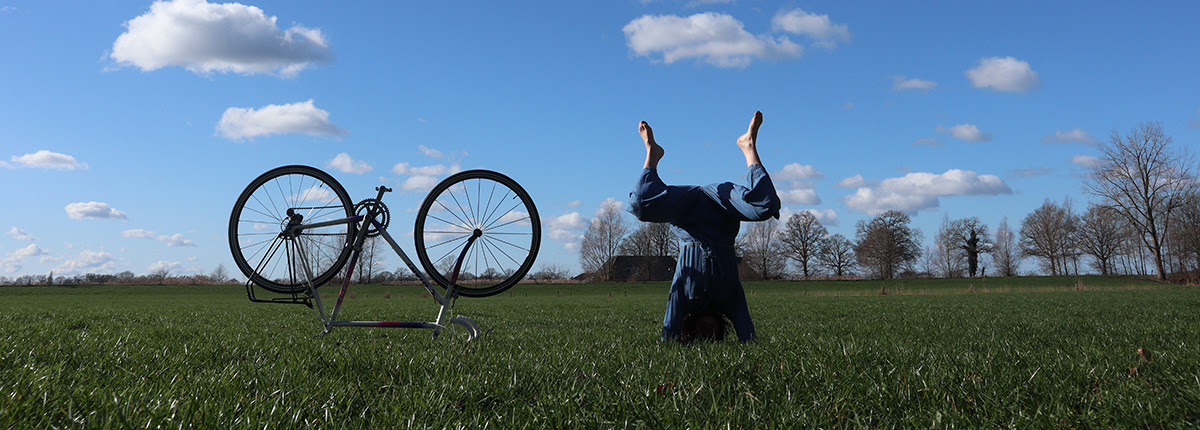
(1145, 219)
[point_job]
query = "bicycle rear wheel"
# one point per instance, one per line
(500, 210)
(282, 259)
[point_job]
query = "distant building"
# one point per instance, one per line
(630, 268)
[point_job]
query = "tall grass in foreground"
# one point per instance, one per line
(559, 356)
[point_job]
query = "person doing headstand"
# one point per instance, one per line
(706, 220)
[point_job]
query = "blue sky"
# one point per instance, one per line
(130, 127)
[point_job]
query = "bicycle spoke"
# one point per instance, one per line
(502, 216)
(450, 224)
(488, 219)
(510, 222)
(447, 241)
(451, 193)
(439, 202)
(511, 244)
(505, 253)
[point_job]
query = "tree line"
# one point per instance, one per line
(1144, 220)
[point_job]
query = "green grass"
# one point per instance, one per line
(1029, 352)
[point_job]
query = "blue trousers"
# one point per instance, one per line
(706, 219)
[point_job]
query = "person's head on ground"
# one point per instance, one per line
(704, 326)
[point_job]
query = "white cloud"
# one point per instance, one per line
(88, 261)
(207, 37)
(927, 141)
(1085, 161)
(855, 181)
(575, 203)
(820, 28)
(967, 132)
(14, 260)
(19, 234)
(303, 117)
(610, 203)
(343, 163)
(799, 197)
(570, 221)
(176, 239)
(920, 191)
(433, 170)
(901, 83)
(315, 194)
(1074, 135)
(418, 182)
(138, 233)
(422, 177)
(46, 160)
(567, 228)
(827, 217)
(170, 266)
(93, 210)
(796, 171)
(32, 250)
(1006, 74)
(429, 152)
(716, 39)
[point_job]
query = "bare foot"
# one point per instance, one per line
(654, 152)
(749, 142)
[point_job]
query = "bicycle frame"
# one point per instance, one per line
(329, 319)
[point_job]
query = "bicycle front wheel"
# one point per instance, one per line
(503, 213)
(267, 246)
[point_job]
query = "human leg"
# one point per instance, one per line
(654, 152)
(749, 142)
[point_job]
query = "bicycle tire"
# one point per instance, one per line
(511, 232)
(258, 229)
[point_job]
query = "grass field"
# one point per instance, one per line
(1021, 352)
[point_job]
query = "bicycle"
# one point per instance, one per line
(294, 228)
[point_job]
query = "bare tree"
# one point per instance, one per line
(1145, 179)
(948, 258)
(549, 272)
(1185, 235)
(761, 250)
(1005, 254)
(887, 244)
(219, 275)
(802, 239)
(651, 239)
(969, 235)
(1048, 234)
(1100, 235)
(160, 275)
(372, 259)
(836, 254)
(602, 240)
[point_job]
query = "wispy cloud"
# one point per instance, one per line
(965, 132)
(901, 83)
(176, 239)
(1074, 135)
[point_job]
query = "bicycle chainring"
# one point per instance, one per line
(383, 217)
